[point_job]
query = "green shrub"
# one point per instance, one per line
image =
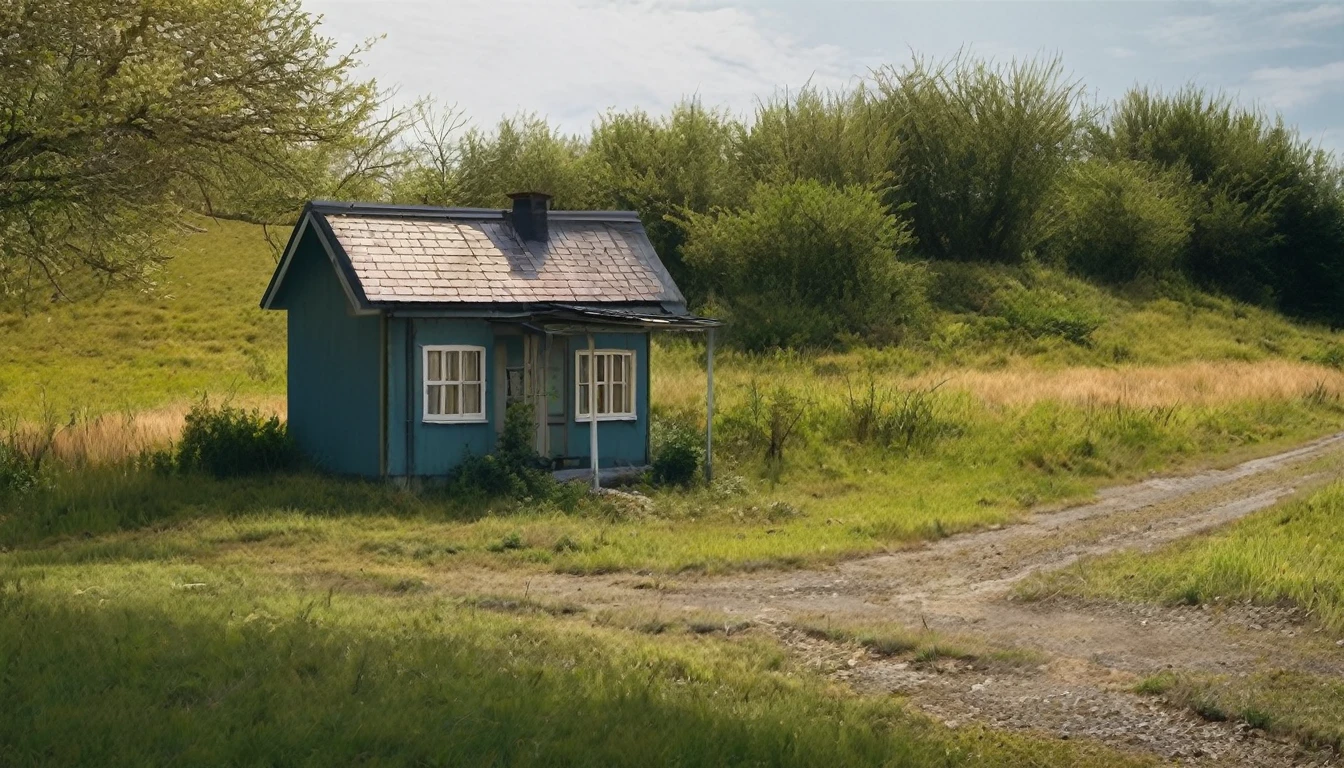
(678, 449)
(228, 442)
(1119, 221)
(18, 472)
(1047, 313)
(806, 264)
(514, 470)
(766, 423)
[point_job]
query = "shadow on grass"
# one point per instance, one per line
(197, 679)
(105, 500)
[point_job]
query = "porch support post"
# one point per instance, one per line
(709, 407)
(592, 410)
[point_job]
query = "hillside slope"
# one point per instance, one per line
(199, 331)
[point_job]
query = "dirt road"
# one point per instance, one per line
(1086, 658)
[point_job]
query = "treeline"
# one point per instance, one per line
(810, 218)
(819, 216)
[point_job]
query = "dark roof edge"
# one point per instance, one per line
(334, 208)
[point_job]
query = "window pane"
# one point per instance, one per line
(618, 368)
(583, 368)
(583, 399)
(452, 403)
(602, 362)
(433, 398)
(452, 370)
(617, 398)
(471, 366)
(435, 372)
(601, 394)
(471, 398)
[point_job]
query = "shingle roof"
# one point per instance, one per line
(404, 256)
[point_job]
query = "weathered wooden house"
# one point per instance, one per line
(412, 329)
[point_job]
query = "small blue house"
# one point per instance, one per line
(412, 329)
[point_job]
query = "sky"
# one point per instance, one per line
(571, 60)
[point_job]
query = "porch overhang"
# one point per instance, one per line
(572, 319)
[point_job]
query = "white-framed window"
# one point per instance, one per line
(615, 382)
(454, 383)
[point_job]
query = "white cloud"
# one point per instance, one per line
(572, 59)
(1312, 18)
(1238, 31)
(1287, 87)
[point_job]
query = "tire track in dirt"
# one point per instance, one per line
(1093, 654)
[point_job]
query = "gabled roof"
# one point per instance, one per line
(402, 257)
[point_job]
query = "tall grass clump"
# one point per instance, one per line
(895, 418)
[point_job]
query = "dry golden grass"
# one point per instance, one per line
(113, 437)
(1145, 386)
(680, 381)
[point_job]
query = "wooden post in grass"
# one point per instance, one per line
(709, 407)
(592, 410)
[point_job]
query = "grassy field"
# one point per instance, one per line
(177, 662)
(151, 618)
(1288, 555)
(198, 329)
(997, 333)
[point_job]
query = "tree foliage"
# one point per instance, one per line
(109, 109)
(1268, 224)
(1120, 221)
(805, 263)
(981, 149)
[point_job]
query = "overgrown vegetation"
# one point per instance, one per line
(971, 162)
(512, 470)
(226, 441)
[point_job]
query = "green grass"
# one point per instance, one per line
(832, 499)
(1287, 555)
(153, 663)
(198, 329)
(1305, 707)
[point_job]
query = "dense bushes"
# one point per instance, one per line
(226, 442)
(1119, 221)
(1268, 219)
(981, 149)
(971, 161)
(806, 264)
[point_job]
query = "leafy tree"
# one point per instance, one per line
(481, 168)
(1269, 220)
(1118, 221)
(981, 148)
(666, 168)
(807, 264)
(837, 138)
(111, 108)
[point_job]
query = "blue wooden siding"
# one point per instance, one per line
(434, 448)
(619, 443)
(437, 448)
(333, 366)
